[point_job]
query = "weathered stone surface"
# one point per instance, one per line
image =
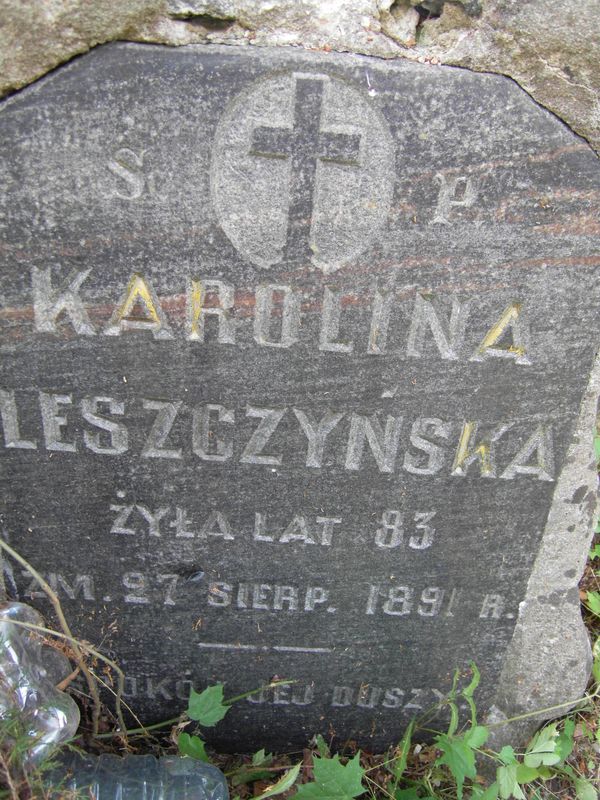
(294, 350)
(550, 47)
(37, 36)
(537, 652)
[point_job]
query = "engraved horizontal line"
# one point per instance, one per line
(263, 648)
(221, 646)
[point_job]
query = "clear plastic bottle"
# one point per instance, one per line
(42, 716)
(108, 777)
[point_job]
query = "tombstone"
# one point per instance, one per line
(298, 381)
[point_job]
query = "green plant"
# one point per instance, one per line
(20, 779)
(334, 780)
(207, 708)
(451, 770)
(544, 759)
(447, 769)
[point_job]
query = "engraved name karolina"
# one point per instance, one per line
(431, 444)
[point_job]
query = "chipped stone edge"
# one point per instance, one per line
(548, 661)
(386, 38)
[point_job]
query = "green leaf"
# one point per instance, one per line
(491, 793)
(526, 774)
(455, 680)
(411, 793)
(459, 757)
(507, 755)
(507, 782)
(333, 780)
(399, 765)
(260, 758)
(246, 774)
(322, 746)
(543, 748)
(476, 736)
(585, 790)
(595, 551)
(207, 708)
(452, 727)
(470, 689)
(283, 784)
(565, 742)
(473, 710)
(545, 773)
(593, 602)
(192, 746)
(596, 666)
(254, 772)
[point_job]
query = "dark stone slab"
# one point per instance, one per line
(294, 353)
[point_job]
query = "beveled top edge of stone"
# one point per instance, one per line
(281, 56)
(286, 53)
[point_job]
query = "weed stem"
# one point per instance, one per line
(53, 597)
